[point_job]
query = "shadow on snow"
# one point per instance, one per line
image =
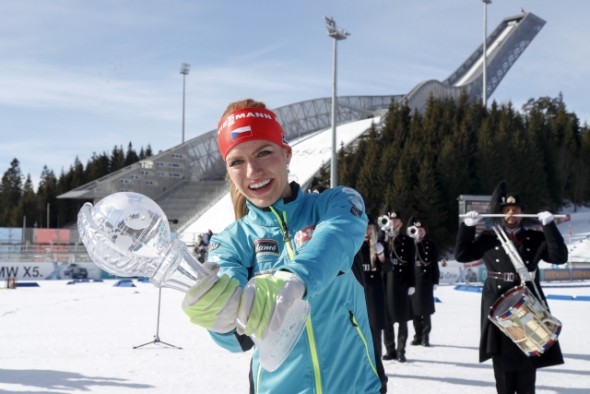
(60, 380)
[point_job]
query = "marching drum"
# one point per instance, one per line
(520, 316)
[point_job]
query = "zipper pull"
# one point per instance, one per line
(352, 319)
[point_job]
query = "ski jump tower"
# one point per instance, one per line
(186, 180)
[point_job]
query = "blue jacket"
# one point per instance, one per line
(335, 353)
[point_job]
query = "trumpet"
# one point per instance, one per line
(413, 232)
(384, 222)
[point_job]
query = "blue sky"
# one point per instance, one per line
(78, 77)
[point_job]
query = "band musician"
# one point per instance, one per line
(514, 372)
(399, 282)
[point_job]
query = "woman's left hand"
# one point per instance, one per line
(266, 301)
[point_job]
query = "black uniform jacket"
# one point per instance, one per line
(427, 275)
(399, 276)
(533, 246)
(374, 288)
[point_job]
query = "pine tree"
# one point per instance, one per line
(97, 166)
(27, 205)
(117, 159)
(11, 190)
(427, 202)
(368, 179)
(131, 156)
(46, 193)
(488, 163)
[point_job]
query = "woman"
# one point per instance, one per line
(285, 246)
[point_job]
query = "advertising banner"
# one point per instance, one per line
(565, 274)
(452, 275)
(52, 236)
(11, 235)
(49, 271)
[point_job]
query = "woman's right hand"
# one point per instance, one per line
(213, 301)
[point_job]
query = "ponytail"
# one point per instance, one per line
(238, 200)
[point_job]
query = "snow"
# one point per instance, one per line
(60, 338)
(579, 242)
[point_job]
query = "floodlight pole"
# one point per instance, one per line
(184, 70)
(484, 94)
(337, 35)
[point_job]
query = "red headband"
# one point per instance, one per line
(249, 124)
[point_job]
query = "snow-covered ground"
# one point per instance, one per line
(579, 227)
(61, 338)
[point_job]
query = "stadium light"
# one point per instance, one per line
(337, 35)
(484, 94)
(184, 69)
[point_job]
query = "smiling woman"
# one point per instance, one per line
(257, 165)
(285, 247)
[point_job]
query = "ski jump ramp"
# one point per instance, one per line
(307, 127)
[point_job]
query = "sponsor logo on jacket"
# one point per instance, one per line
(304, 235)
(266, 247)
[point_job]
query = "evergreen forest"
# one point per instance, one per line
(419, 163)
(18, 198)
(422, 163)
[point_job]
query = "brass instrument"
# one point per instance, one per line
(384, 222)
(413, 232)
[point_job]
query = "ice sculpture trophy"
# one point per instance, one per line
(128, 234)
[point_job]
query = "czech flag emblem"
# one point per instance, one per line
(241, 132)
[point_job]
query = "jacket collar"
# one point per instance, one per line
(517, 234)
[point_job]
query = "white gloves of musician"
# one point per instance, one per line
(545, 217)
(411, 290)
(434, 287)
(472, 218)
(379, 248)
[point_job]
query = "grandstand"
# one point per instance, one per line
(187, 180)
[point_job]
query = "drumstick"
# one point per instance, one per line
(501, 215)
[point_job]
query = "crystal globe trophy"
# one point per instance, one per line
(128, 234)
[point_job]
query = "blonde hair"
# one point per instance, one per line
(237, 198)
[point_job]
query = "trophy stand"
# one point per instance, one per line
(156, 340)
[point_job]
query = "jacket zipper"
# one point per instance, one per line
(308, 325)
(358, 329)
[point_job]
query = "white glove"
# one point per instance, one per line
(213, 301)
(266, 302)
(379, 248)
(545, 217)
(434, 287)
(411, 290)
(472, 218)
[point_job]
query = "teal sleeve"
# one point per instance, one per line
(337, 237)
(228, 255)
(229, 341)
